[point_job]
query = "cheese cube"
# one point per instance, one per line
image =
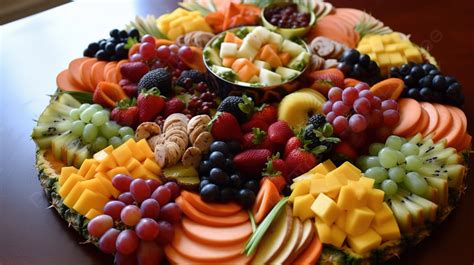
(65, 173)
(74, 195)
(375, 199)
(341, 220)
(302, 207)
(118, 170)
(325, 208)
(90, 200)
(92, 213)
(300, 188)
(122, 154)
(337, 236)
(364, 242)
(383, 214)
(136, 150)
(318, 185)
(324, 231)
(388, 230)
(145, 148)
(69, 184)
(358, 220)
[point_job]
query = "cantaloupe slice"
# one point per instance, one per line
(410, 114)
(458, 129)
(433, 118)
(421, 125)
(214, 209)
(75, 69)
(216, 236)
(446, 121)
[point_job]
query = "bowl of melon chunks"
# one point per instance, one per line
(254, 58)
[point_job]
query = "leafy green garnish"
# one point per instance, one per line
(83, 97)
(130, 42)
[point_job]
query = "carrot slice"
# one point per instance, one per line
(97, 72)
(204, 253)
(118, 75)
(210, 220)
(267, 197)
(465, 143)
(410, 114)
(457, 131)
(215, 209)
(433, 117)
(421, 125)
(86, 71)
(390, 88)
(65, 81)
(446, 121)
(216, 236)
(108, 94)
(75, 69)
(312, 253)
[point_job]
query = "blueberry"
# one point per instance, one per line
(88, 53)
(410, 81)
(227, 195)
(417, 72)
(437, 96)
(364, 60)
(217, 159)
(252, 185)
(203, 183)
(405, 69)
(405, 92)
(204, 168)
(229, 165)
(112, 40)
(454, 89)
(134, 33)
(439, 83)
(101, 55)
(425, 81)
(236, 181)
(102, 44)
(426, 94)
(246, 198)
(234, 147)
(220, 147)
(450, 80)
(218, 177)
(93, 47)
(120, 51)
(395, 72)
(286, 190)
(344, 67)
(434, 72)
(359, 70)
(114, 33)
(210, 193)
(414, 93)
(110, 48)
(428, 67)
(123, 34)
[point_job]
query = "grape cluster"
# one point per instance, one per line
(425, 82)
(219, 180)
(394, 164)
(355, 111)
(287, 16)
(359, 66)
(164, 56)
(113, 48)
(144, 213)
(92, 123)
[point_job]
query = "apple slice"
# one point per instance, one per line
(306, 238)
(291, 244)
(275, 237)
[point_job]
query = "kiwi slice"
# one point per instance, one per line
(187, 177)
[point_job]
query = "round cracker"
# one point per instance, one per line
(192, 157)
(203, 141)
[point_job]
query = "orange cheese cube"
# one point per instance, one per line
(90, 200)
(65, 173)
(137, 152)
(74, 195)
(145, 148)
(118, 170)
(69, 184)
(122, 154)
(152, 166)
(92, 213)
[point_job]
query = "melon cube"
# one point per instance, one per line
(287, 73)
(118, 170)
(132, 164)
(262, 33)
(302, 207)
(347, 199)
(96, 186)
(368, 183)
(262, 64)
(269, 78)
(247, 51)
(364, 242)
(324, 168)
(122, 154)
(145, 148)
(74, 195)
(337, 236)
(152, 166)
(358, 220)
(383, 214)
(300, 188)
(325, 208)
(86, 165)
(318, 185)
(92, 213)
(324, 231)
(65, 173)
(91, 172)
(69, 184)
(108, 184)
(90, 200)
(292, 48)
(275, 38)
(137, 152)
(228, 61)
(228, 49)
(254, 79)
(253, 40)
(388, 230)
(375, 199)
(333, 185)
(341, 220)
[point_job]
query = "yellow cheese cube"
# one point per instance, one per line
(65, 173)
(145, 148)
(118, 170)
(324, 231)
(136, 151)
(387, 39)
(122, 154)
(299, 189)
(152, 166)
(375, 199)
(377, 44)
(74, 195)
(358, 220)
(364, 242)
(69, 184)
(383, 214)
(383, 60)
(86, 166)
(90, 200)
(388, 230)
(347, 198)
(108, 185)
(341, 220)
(318, 185)
(91, 172)
(141, 172)
(106, 164)
(96, 186)
(396, 59)
(413, 55)
(337, 236)
(325, 208)
(324, 168)
(132, 164)
(333, 185)
(368, 183)
(102, 154)
(92, 213)
(302, 206)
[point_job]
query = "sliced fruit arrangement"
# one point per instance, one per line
(181, 21)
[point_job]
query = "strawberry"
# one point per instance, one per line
(252, 161)
(133, 71)
(266, 113)
(225, 127)
(150, 104)
(292, 144)
(258, 139)
(276, 166)
(126, 113)
(254, 123)
(346, 150)
(279, 132)
(299, 161)
(323, 80)
(174, 105)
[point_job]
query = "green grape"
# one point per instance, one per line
(115, 141)
(126, 131)
(413, 163)
(86, 115)
(379, 174)
(127, 137)
(416, 183)
(109, 129)
(394, 142)
(100, 118)
(373, 161)
(397, 174)
(400, 157)
(89, 134)
(99, 144)
(361, 162)
(84, 107)
(410, 149)
(388, 157)
(389, 186)
(77, 127)
(375, 148)
(74, 114)
(97, 107)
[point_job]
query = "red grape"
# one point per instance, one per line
(327, 107)
(148, 38)
(121, 259)
(99, 225)
(140, 190)
(153, 184)
(375, 119)
(340, 108)
(147, 50)
(389, 104)
(362, 86)
(174, 188)
(163, 52)
(366, 94)
(335, 94)
(170, 212)
(174, 48)
(122, 182)
(126, 198)
(147, 229)
(136, 57)
(382, 133)
(357, 123)
(149, 253)
(166, 233)
(358, 140)
(375, 102)
(340, 124)
(158, 64)
(130, 215)
(349, 95)
(113, 208)
(362, 106)
(127, 242)
(107, 241)
(331, 116)
(150, 208)
(185, 53)
(391, 117)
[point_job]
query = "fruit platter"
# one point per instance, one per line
(254, 132)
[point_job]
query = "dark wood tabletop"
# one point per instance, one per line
(33, 50)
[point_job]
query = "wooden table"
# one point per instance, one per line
(35, 49)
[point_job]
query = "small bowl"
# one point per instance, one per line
(289, 33)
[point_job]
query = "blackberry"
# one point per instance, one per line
(194, 75)
(240, 107)
(317, 120)
(359, 66)
(159, 78)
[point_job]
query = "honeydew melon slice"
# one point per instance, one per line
(262, 64)
(299, 62)
(292, 48)
(246, 50)
(212, 57)
(228, 49)
(287, 73)
(269, 78)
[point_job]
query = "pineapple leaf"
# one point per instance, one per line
(194, 6)
(369, 25)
